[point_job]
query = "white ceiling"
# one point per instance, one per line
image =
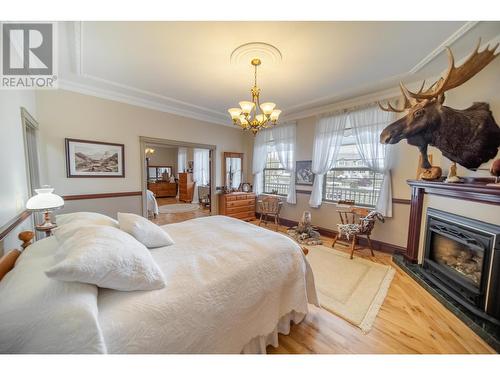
(184, 67)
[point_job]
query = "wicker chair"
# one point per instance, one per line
(363, 228)
(270, 206)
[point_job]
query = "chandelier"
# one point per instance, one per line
(254, 116)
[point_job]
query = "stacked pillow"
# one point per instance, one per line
(96, 249)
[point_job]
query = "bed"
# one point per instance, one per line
(152, 204)
(231, 287)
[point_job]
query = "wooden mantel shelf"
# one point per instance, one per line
(473, 189)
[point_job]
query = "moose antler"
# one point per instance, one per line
(408, 101)
(454, 76)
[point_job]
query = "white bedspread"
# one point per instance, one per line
(151, 202)
(228, 283)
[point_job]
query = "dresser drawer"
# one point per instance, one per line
(240, 203)
(235, 210)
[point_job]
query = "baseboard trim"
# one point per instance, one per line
(377, 245)
(101, 195)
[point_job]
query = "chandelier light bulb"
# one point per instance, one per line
(243, 120)
(267, 108)
(246, 107)
(260, 118)
(275, 114)
(235, 113)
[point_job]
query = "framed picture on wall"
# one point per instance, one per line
(303, 173)
(94, 159)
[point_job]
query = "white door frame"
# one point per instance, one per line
(160, 141)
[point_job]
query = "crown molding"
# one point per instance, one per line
(92, 90)
(147, 99)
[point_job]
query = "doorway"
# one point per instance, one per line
(178, 180)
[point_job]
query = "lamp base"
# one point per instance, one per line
(47, 225)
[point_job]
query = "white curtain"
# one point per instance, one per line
(181, 159)
(327, 141)
(284, 145)
(201, 169)
(260, 150)
(367, 124)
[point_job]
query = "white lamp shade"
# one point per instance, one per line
(260, 118)
(275, 114)
(243, 120)
(267, 108)
(44, 200)
(246, 107)
(235, 113)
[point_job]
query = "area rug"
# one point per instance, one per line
(353, 289)
(178, 208)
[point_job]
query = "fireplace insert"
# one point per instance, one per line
(462, 258)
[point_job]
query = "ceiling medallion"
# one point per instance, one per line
(267, 53)
(252, 115)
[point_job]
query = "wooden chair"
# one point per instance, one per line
(204, 196)
(270, 206)
(345, 210)
(363, 228)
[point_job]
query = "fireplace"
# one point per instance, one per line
(462, 258)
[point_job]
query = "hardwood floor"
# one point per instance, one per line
(410, 321)
(163, 219)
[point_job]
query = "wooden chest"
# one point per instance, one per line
(163, 189)
(186, 187)
(237, 205)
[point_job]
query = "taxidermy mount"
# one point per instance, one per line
(469, 137)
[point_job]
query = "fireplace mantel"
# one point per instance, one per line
(473, 189)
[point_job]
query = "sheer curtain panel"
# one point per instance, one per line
(367, 124)
(284, 145)
(181, 159)
(327, 141)
(260, 150)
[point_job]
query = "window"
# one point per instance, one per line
(351, 178)
(30, 132)
(276, 178)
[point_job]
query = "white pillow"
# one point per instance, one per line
(144, 231)
(42, 315)
(88, 217)
(107, 257)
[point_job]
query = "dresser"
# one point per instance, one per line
(163, 189)
(238, 205)
(186, 187)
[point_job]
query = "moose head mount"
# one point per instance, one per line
(469, 137)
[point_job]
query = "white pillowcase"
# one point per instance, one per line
(87, 217)
(104, 256)
(43, 315)
(144, 231)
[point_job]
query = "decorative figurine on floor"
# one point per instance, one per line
(452, 174)
(469, 137)
(495, 172)
(304, 232)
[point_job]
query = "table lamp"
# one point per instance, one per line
(45, 201)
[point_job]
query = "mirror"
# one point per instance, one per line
(233, 169)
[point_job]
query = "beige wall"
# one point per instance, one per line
(164, 156)
(14, 182)
(64, 114)
(483, 87)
